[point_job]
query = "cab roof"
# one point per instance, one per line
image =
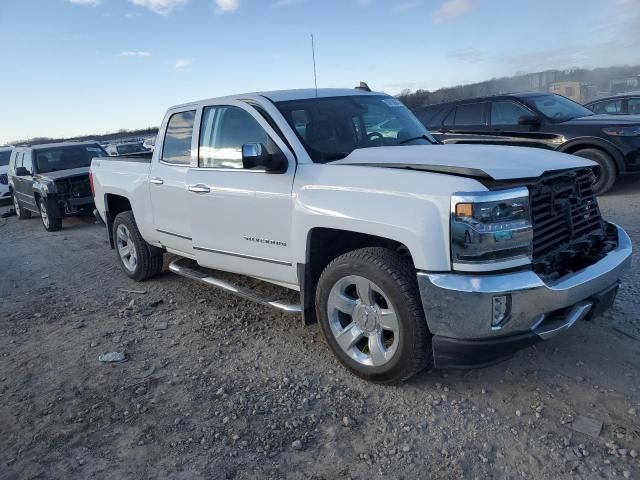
(287, 95)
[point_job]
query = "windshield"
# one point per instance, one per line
(4, 158)
(65, 158)
(558, 109)
(331, 128)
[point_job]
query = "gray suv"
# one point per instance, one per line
(52, 181)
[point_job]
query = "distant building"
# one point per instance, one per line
(576, 91)
(624, 84)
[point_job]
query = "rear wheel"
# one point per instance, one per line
(20, 212)
(137, 258)
(607, 172)
(371, 315)
(50, 220)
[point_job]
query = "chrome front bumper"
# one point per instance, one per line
(460, 306)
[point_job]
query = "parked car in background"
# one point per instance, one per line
(408, 253)
(627, 104)
(149, 143)
(52, 180)
(125, 148)
(541, 120)
(5, 154)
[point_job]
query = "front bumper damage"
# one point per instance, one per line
(459, 308)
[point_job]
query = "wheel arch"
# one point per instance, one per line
(323, 244)
(576, 144)
(115, 204)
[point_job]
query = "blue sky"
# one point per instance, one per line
(73, 67)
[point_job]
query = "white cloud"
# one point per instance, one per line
(87, 3)
(135, 54)
(161, 7)
(452, 9)
(225, 6)
(182, 64)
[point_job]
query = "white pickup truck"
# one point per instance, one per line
(408, 253)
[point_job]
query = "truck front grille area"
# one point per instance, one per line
(568, 231)
(74, 187)
(4, 180)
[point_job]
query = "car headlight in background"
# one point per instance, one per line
(491, 230)
(632, 131)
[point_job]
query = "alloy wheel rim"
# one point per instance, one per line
(43, 214)
(16, 205)
(126, 248)
(363, 321)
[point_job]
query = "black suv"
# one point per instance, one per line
(52, 181)
(541, 120)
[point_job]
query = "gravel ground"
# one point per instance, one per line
(217, 387)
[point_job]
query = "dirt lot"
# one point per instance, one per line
(216, 387)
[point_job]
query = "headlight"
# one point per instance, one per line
(633, 131)
(491, 230)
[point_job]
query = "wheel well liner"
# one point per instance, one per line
(325, 244)
(114, 204)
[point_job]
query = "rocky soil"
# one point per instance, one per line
(216, 387)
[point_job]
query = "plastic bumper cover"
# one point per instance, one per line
(459, 308)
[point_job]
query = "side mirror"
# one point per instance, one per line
(22, 172)
(255, 156)
(532, 120)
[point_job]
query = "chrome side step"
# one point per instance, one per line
(190, 269)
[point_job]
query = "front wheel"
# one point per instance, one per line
(607, 171)
(50, 221)
(370, 313)
(136, 257)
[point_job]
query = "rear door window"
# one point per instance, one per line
(469, 114)
(177, 141)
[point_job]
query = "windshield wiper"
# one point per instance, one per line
(421, 137)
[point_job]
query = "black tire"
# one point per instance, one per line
(608, 173)
(51, 221)
(148, 259)
(21, 212)
(395, 275)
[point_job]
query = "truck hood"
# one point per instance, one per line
(605, 120)
(496, 162)
(72, 172)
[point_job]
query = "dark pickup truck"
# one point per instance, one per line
(541, 120)
(52, 181)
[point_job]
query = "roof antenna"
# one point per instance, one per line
(313, 53)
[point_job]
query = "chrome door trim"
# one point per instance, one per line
(173, 234)
(242, 255)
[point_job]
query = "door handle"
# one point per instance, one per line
(157, 181)
(199, 188)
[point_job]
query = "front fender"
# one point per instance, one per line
(409, 207)
(44, 189)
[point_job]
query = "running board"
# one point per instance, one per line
(190, 269)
